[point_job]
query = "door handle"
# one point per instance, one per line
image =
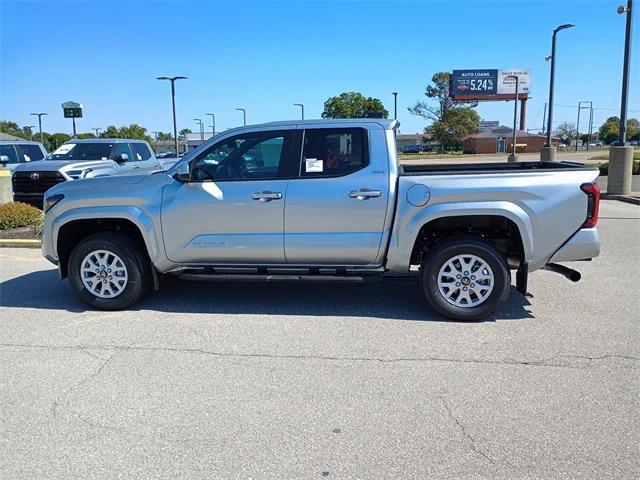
(364, 193)
(136, 166)
(266, 196)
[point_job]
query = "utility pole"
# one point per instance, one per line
(548, 152)
(301, 109)
(580, 107)
(40, 124)
(544, 116)
(173, 102)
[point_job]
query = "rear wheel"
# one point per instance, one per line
(109, 271)
(465, 279)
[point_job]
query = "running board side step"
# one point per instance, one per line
(276, 278)
(566, 272)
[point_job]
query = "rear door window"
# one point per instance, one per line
(332, 152)
(30, 153)
(140, 152)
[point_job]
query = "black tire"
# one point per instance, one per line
(448, 249)
(137, 266)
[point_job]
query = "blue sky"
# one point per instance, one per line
(265, 56)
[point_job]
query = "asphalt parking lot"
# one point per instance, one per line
(300, 380)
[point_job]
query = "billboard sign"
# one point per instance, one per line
(489, 124)
(489, 84)
(72, 110)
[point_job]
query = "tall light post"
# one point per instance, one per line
(301, 109)
(621, 154)
(580, 108)
(548, 152)
(213, 123)
(513, 157)
(97, 130)
(173, 103)
(244, 115)
(30, 128)
(199, 122)
(395, 105)
(40, 124)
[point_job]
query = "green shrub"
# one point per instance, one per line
(17, 214)
(604, 168)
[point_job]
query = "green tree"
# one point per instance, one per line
(439, 91)
(183, 133)
(633, 129)
(12, 128)
(134, 131)
(56, 140)
(609, 130)
(353, 105)
(454, 126)
(165, 137)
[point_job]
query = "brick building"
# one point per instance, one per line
(499, 140)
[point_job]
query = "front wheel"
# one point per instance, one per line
(108, 271)
(465, 279)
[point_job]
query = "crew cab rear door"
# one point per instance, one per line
(231, 212)
(335, 209)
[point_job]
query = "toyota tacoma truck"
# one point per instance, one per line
(323, 198)
(77, 159)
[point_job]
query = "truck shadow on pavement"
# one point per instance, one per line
(391, 299)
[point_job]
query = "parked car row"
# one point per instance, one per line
(34, 172)
(417, 149)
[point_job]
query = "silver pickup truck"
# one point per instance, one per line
(323, 198)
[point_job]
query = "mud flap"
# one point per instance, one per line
(522, 278)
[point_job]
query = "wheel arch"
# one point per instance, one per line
(73, 226)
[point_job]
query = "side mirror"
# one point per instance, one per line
(4, 159)
(182, 173)
(121, 157)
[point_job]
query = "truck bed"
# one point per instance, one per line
(470, 168)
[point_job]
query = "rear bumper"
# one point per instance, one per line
(584, 245)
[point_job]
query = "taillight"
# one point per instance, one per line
(593, 203)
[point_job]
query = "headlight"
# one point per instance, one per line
(49, 202)
(78, 174)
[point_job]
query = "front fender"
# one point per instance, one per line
(410, 221)
(135, 215)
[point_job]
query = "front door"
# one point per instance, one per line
(335, 211)
(231, 211)
(501, 145)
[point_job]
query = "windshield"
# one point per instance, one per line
(82, 151)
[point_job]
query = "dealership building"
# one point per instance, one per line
(500, 140)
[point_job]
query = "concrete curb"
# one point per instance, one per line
(19, 243)
(633, 199)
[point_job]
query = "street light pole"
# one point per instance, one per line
(173, 103)
(621, 154)
(548, 151)
(513, 157)
(244, 115)
(201, 128)
(622, 138)
(213, 123)
(40, 124)
(97, 131)
(30, 127)
(301, 109)
(395, 105)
